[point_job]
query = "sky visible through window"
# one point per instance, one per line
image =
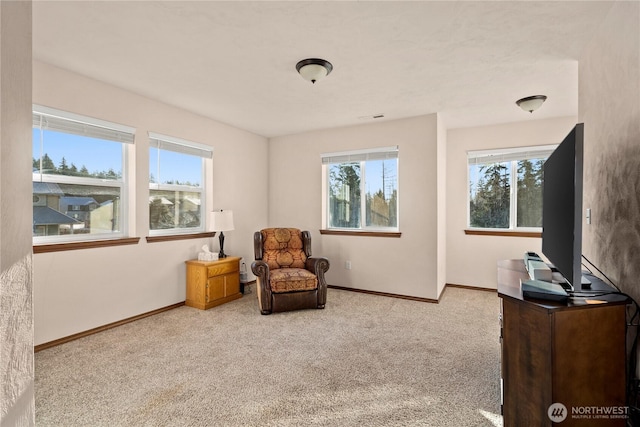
(374, 176)
(101, 155)
(175, 167)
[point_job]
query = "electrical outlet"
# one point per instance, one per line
(588, 215)
(347, 265)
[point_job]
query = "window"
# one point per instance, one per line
(362, 189)
(78, 177)
(176, 190)
(505, 187)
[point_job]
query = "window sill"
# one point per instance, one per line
(172, 237)
(361, 233)
(60, 247)
(503, 233)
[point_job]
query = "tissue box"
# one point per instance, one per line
(207, 256)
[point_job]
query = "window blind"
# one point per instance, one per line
(381, 153)
(49, 119)
(178, 145)
(486, 157)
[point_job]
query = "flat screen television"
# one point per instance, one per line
(562, 207)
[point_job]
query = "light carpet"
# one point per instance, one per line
(364, 360)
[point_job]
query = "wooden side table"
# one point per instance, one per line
(211, 283)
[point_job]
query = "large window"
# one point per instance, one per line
(176, 185)
(505, 187)
(362, 189)
(78, 177)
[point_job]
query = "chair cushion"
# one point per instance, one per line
(292, 279)
(282, 248)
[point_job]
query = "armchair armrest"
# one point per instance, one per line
(260, 269)
(257, 245)
(318, 266)
(263, 289)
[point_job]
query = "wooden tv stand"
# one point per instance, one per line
(573, 354)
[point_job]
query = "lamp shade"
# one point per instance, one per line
(531, 103)
(222, 220)
(313, 69)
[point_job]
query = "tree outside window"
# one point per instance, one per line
(362, 190)
(505, 187)
(344, 195)
(530, 193)
(490, 196)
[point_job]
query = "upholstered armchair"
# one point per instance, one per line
(287, 277)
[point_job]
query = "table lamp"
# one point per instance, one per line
(222, 221)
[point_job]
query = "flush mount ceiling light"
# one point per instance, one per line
(313, 69)
(531, 103)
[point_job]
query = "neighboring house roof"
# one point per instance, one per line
(163, 200)
(80, 201)
(193, 200)
(43, 215)
(47, 188)
(89, 190)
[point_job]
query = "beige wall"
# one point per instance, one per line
(406, 265)
(83, 289)
(471, 260)
(16, 285)
(442, 206)
(433, 248)
(115, 283)
(609, 106)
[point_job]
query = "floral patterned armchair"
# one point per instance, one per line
(287, 277)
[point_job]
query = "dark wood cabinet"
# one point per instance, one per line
(571, 354)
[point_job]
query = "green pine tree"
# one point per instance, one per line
(63, 169)
(47, 164)
(490, 205)
(529, 210)
(344, 201)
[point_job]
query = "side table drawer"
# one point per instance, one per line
(227, 267)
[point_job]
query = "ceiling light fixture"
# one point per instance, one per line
(313, 69)
(531, 103)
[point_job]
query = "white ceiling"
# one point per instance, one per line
(235, 61)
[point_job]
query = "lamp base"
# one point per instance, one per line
(221, 254)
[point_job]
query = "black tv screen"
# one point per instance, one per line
(562, 207)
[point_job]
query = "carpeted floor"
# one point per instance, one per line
(363, 361)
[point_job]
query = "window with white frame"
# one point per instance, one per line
(362, 189)
(176, 185)
(79, 181)
(505, 187)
